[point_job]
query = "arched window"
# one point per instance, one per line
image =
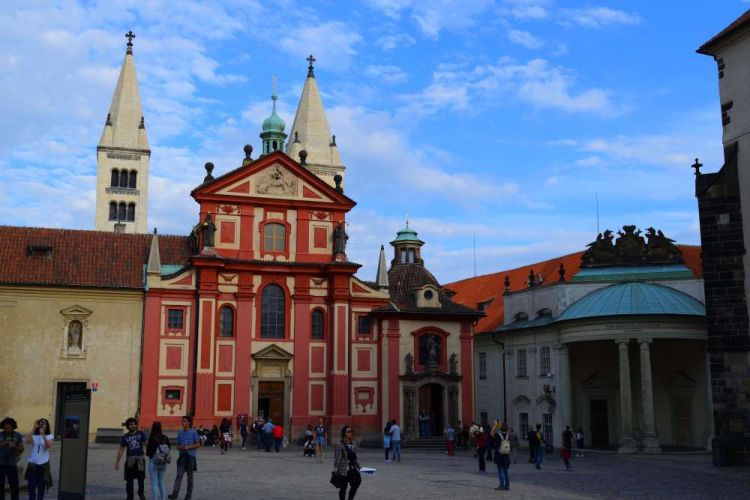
(132, 179)
(115, 178)
(123, 178)
(122, 211)
(317, 324)
(131, 212)
(226, 322)
(112, 209)
(274, 239)
(272, 312)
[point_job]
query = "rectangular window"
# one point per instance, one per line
(521, 362)
(482, 365)
(523, 424)
(175, 319)
(274, 238)
(544, 361)
(484, 419)
(363, 325)
(547, 428)
(172, 394)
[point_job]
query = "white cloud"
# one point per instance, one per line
(434, 16)
(525, 39)
(333, 43)
(387, 74)
(395, 41)
(599, 17)
(537, 82)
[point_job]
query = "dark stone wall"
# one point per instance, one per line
(723, 249)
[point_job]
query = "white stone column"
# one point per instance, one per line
(650, 439)
(627, 441)
(566, 390)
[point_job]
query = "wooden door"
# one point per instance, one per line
(599, 423)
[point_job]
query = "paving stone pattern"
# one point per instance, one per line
(245, 474)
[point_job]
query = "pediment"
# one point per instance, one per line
(77, 311)
(521, 400)
(359, 288)
(272, 353)
(273, 176)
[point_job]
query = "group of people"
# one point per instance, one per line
(315, 440)
(12, 445)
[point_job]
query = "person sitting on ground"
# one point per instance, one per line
(309, 449)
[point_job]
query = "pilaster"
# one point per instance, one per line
(627, 441)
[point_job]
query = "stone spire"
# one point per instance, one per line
(382, 277)
(125, 126)
(123, 156)
(311, 132)
(154, 261)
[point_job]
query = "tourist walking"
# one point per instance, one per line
(243, 431)
(321, 439)
(38, 473)
(424, 422)
(567, 446)
(159, 453)
(482, 442)
(345, 465)
(579, 443)
(387, 439)
(540, 446)
(132, 444)
(225, 432)
(450, 439)
(473, 431)
(187, 444)
(258, 433)
(11, 448)
(268, 435)
(278, 437)
(502, 457)
(531, 438)
(514, 444)
(396, 440)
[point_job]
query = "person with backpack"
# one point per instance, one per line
(225, 432)
(345, 465)
(11, 449)
(502, 457)
(135, 461)
(158, 451)
(188, 442)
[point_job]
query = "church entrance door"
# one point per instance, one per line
(271, 400)
(431, 400)
(599, 423)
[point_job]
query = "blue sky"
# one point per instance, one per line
(495, 121)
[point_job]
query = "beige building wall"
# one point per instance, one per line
(35, 356)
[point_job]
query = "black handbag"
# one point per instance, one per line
(338, 481)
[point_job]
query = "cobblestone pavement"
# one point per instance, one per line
(251, 474)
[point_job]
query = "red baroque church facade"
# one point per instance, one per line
(266, 317)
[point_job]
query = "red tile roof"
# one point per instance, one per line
(82, 258)
(489, 288)
(708, 47)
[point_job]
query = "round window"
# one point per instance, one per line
(428, 294)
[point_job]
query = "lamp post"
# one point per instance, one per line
(505, 400)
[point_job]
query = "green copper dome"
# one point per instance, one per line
(273, 123)
(407, 234)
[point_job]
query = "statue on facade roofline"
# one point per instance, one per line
(409, 362)
(339, 239)
(631, 249)
(209, 232)
(453, 363)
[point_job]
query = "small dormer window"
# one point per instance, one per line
(40, 251)
(427, 296)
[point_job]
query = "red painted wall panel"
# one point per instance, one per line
(174, 357)
(320, 237)
(363, 360)
(224, 397)
(226, 353)
(317, 364)
(316, 397)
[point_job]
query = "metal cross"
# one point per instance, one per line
(311, 60)
(697, 166)
(130, 35)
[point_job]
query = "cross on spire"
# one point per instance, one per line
(130, 35)
(697, 166)
(310, 60)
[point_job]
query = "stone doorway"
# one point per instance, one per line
(271, 400)
(431, 399)
(599, 423)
